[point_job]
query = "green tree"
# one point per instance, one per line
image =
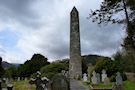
(32, 66)
(1, 68)
(110, 66)
(10, 72)
(53, 69)
(125, 62)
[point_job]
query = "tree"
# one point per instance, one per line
(10, 72)
(1, 68)
(32, 66)
(107, 12)
(125, 62)
(53, 69)
(109, 66)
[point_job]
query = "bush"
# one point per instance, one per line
(52, 69)
(110, 67)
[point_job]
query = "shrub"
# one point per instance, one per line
(110, 67)
(52, 69)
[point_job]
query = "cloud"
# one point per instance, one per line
(44, 27)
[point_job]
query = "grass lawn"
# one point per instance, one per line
(23, 85)
(128, 85)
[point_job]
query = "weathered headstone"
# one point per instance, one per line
(118, 79)
(63, 72)
(59, 82)
(98, 77)
(84, 77)
(9, 87)
(104, 75)
(106, 81)
(117, 87)
(39, 82)
(18, 79)
(6, 81)
(94, 78)
(75, 62)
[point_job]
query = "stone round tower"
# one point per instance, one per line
(75, 63)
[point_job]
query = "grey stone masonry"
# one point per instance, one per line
(75, 64)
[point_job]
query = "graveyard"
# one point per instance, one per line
(78, 71)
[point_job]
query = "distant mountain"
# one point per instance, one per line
(6, 64)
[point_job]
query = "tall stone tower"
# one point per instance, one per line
(75, 63)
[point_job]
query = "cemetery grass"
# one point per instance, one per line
(22, 85)
(128, 85)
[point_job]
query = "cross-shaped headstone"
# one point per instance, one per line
(40, 83)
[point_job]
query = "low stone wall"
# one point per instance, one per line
(130, 76)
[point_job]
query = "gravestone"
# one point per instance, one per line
(59, 82)
(104, 75)
(39, 82)
(84, 77)
(89, 70)
(94, 78)
(98, 77)
(118, 79)
(106, 81)
(63, 72)
(6, 80)
(75, 62)
(116, 87)
(0, 85)
(9, 87)
(18, 79)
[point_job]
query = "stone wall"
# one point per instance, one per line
(130, 76)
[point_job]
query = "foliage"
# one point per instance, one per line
(1, 68)
(84, 66)
(109, 8)
(108, 65)
(53, 69)
(32, 66)
(10, 72)
(91, 59)
(125, 59)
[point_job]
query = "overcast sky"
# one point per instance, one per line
(43, 26)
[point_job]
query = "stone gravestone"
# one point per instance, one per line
(39, 82)
(59, 82)
(106, 81)
(104, 75)
(98, 77)
(118, 79)
(63, 72)
(6, 81)
(94, 78)
(84, 77)
(9, 87)
(18, 79)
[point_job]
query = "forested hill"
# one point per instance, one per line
(92, 59)
(89, 59)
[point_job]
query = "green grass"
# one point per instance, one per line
(128, 85)
(22, 85)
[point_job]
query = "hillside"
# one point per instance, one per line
(89, 59)
(6, 64)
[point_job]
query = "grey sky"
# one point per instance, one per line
(43, 26)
